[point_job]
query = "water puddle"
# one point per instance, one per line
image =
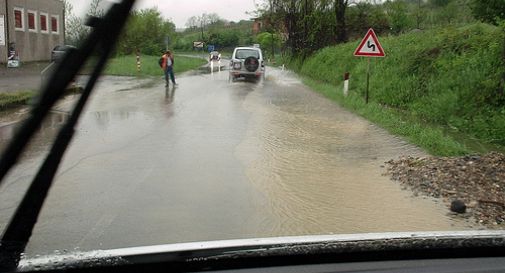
(321, 167)
(212, 160)
(43, 137)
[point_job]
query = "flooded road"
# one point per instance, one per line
(215, 160)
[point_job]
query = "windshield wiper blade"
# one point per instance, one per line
(102, 40)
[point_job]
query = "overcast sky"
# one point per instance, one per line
(178, 11)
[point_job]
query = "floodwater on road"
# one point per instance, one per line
(212, 160)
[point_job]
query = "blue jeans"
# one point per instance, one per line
(169, 72)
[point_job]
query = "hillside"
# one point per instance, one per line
(442, 89)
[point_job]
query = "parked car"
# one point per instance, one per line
(247, 62)
(59, 51)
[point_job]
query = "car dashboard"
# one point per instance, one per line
(465, 251)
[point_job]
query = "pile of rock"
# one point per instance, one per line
(474, 182)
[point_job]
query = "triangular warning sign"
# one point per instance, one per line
(370, 46)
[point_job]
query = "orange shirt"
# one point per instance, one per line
(165, 61)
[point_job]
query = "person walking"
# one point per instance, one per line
(168, 67)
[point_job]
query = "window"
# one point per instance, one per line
(32, 21)
(19, 19)
(244, 53)
(55, 27)
(43, 22)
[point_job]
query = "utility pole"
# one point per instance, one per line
(201, 26)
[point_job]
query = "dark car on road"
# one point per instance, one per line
(59, 51)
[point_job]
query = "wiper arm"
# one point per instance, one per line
(102, 40)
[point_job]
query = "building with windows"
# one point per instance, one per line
(31, 28)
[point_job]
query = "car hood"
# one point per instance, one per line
(270, 247)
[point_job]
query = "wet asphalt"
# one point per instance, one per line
(211, 160)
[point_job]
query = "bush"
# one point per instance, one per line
(490, 11)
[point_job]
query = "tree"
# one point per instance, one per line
(146, 30)
(439, 3)
(213, 18)
(192, 22)
(420, 13)
(362, 16)
(224, 38)
(269, 40)
(449, 12)
(398, 16)
(95, 9)
(340, 8)
(305, 24)
(490, 11)
(75, 29)
(203, 20)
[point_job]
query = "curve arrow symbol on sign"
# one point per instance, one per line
(370, 45)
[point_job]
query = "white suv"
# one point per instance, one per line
(247, 62)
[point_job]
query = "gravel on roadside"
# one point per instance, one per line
(478, 181)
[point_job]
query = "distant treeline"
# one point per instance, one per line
(308, 25)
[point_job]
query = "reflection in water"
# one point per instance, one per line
(223, 161)
(44, 136)
(169, 94)
(104, 118)
(7, 132)
(320, 167)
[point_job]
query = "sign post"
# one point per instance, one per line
(138, 60)
(346, 83)
(198, 44)
(369, 47)
(367, 81)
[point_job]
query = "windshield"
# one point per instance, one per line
(383, 117)
(245, 53)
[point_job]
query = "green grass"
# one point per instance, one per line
(430, 138)
(127, 65)
(431, 86)
(13, 99)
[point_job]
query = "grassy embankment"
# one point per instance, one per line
(13, 99)
(127, 65)
(123, 66)
(440, 89)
